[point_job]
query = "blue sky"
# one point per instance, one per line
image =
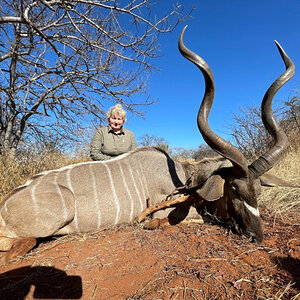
(236, 38)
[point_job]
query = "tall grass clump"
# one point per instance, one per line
(282, 200)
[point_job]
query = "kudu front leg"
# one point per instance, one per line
(17, 247)
(163, 205)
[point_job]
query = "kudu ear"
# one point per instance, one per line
(212, 189)
(274, 181)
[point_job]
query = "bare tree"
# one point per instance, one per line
(249, 133)
(291, 120)
(61, 61)
(155, 141)
(204, 151)
(251, 137)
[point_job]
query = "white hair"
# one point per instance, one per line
(116, 110)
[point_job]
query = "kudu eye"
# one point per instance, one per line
(233, 189)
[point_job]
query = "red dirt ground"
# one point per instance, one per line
(172, 262)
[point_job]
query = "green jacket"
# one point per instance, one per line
(106, 144)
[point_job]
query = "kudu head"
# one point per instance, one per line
(240, 183)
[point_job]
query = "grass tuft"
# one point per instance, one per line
(284, 199)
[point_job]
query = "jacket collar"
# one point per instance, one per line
(110, 130)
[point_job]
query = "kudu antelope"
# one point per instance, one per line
(88, 196)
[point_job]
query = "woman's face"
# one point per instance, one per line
(116, 122)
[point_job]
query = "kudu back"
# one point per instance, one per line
(92, 195)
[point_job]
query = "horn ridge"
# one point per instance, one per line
(268, 160)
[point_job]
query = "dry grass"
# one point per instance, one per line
(284, 199)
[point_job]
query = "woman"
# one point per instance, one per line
(112, 140)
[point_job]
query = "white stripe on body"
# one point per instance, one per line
(141, 181)
(34, 200)
(114, 193)
(145, 185)
(136, 188)
(128, 192)
(96, 198)
(63, 202)
(68, 174)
